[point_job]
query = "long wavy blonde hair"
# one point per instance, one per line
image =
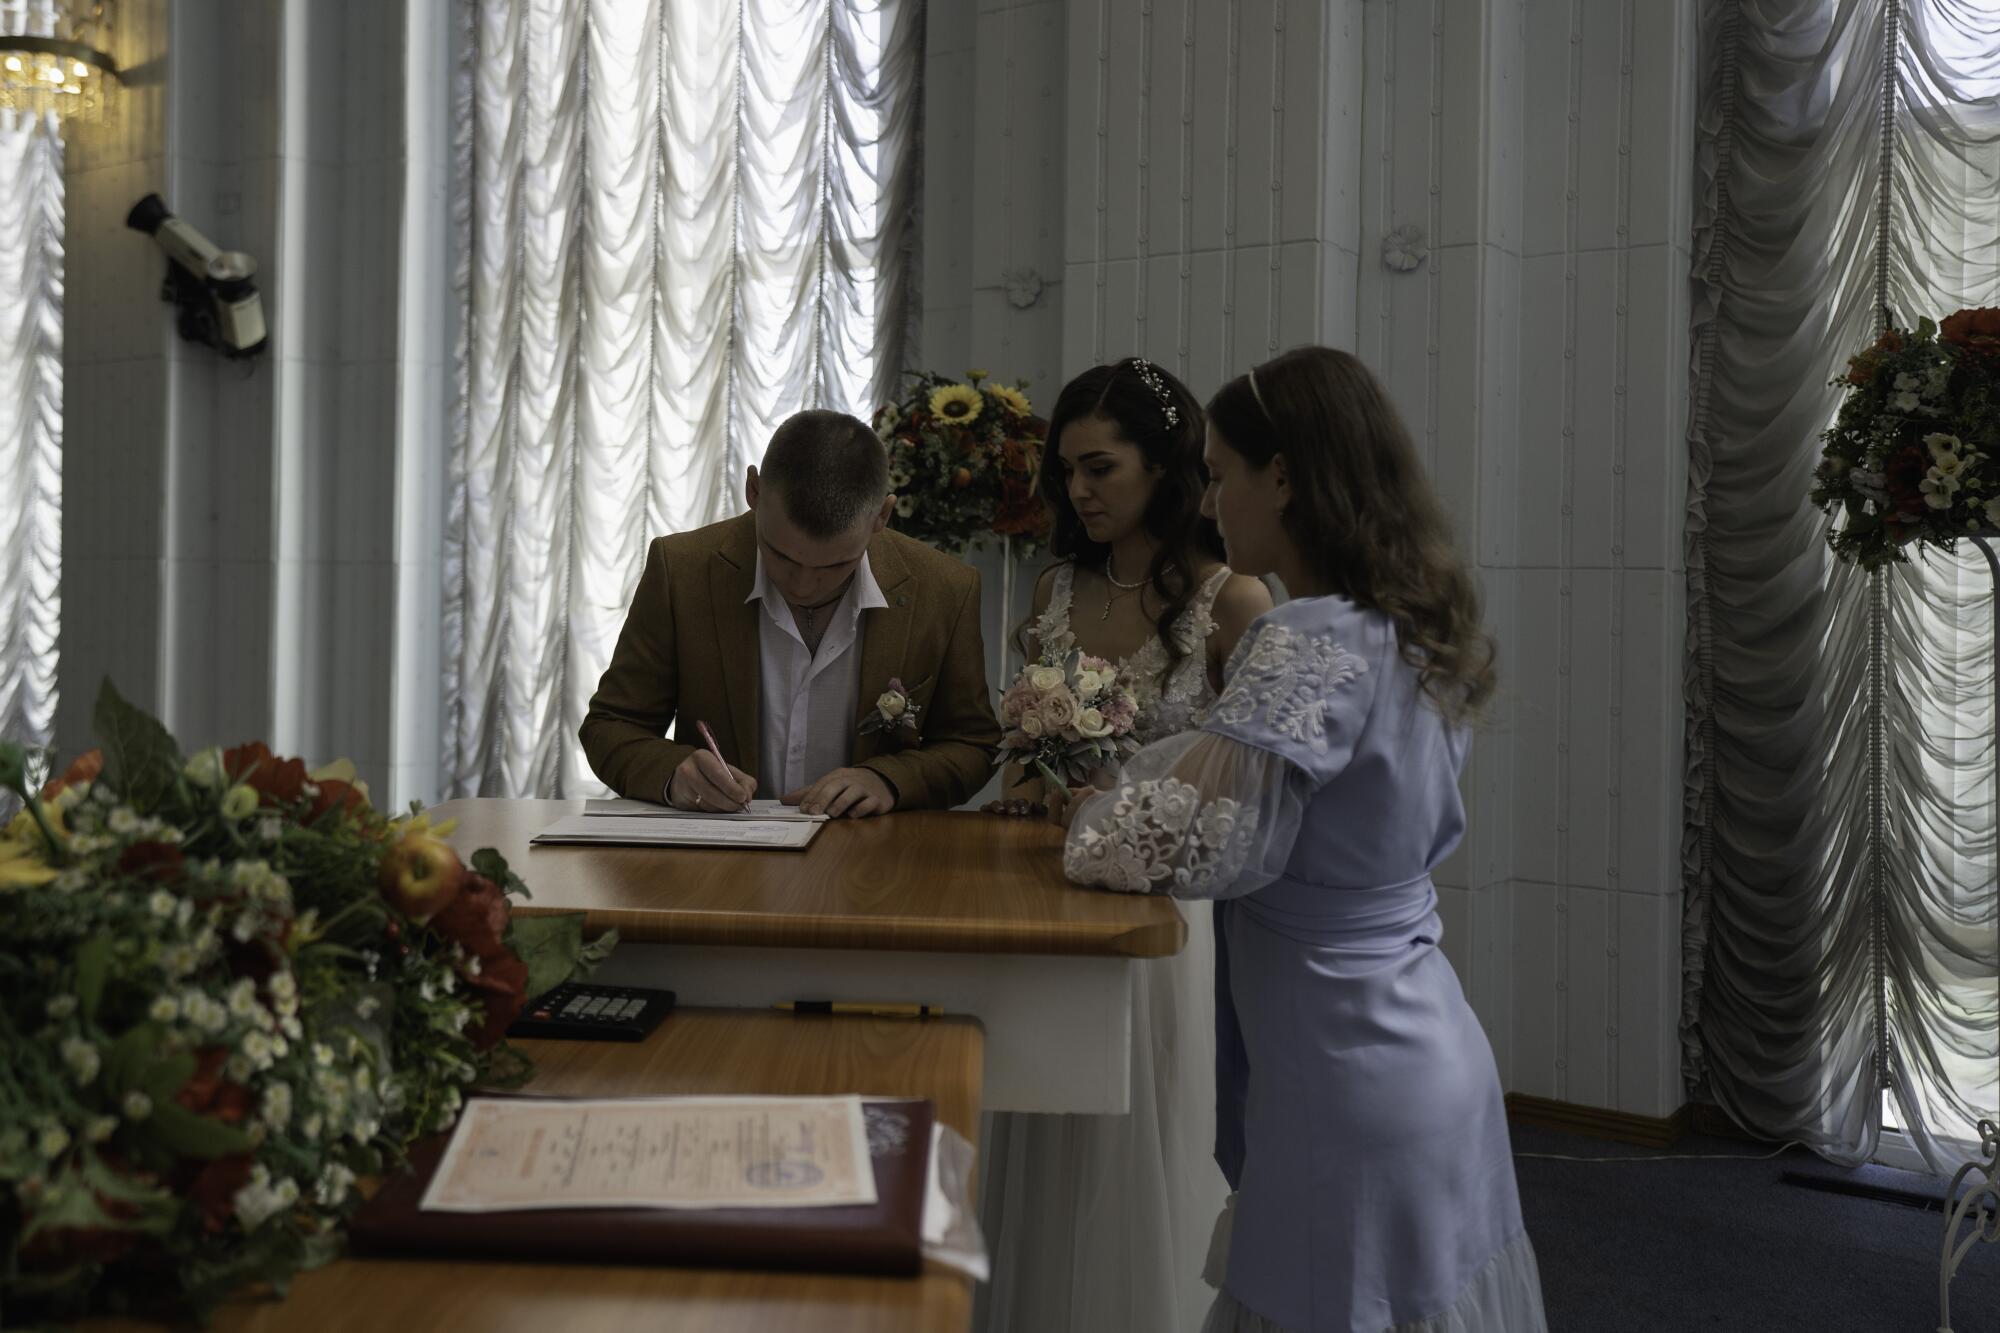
(1364, 513)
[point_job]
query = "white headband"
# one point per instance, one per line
(1258, 394)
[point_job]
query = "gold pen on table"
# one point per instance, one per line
(869, 1009)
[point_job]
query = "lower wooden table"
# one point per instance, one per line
(694, 1051)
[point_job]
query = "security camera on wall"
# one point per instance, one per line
(214, 290)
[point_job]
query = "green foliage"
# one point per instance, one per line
(549, 945)
(214, 1023)
(141, 761)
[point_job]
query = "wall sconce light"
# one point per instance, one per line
(54, 59)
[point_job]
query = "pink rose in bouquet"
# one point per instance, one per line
(1058, 709)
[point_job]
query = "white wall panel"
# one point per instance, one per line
(1648, 992)
(1655, 326)
(1199, 130)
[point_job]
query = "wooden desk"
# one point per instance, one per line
(970, 912)
(929, 880)
(692, 1052)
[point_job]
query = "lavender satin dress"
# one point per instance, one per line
(1358, 1111)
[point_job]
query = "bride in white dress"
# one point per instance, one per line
(1100, 1224)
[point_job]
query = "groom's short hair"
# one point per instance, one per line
(830, 469)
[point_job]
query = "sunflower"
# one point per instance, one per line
(956, 403)
(1013, 400)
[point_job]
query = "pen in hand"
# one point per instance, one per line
(708, 739)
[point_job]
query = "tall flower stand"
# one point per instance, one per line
(1981, 1201)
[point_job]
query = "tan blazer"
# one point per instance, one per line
(690, 651)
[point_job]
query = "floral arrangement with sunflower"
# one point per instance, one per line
(229, 988)
(1914, 453)
(964, 461)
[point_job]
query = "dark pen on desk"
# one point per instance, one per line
(708, 739)
(871, 1010)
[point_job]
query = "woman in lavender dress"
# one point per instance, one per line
(1358, 1111)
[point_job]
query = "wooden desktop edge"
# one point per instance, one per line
(761, 931)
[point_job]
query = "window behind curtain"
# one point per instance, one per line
(31, 299)
(1951, 629)
(679, 222)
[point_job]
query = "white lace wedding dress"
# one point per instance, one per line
(1100, 1224)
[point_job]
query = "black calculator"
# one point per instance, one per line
(580, 1011)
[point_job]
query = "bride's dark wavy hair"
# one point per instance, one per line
(1363, 512)
(1121, 395)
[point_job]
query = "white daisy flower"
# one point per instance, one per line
(82, 1058)
(277, 1109)
(334, 1184)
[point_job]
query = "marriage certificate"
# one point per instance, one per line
(655, 1152)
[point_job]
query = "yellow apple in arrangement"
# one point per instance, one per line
(421, 875)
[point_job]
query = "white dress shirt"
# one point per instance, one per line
(807, 701)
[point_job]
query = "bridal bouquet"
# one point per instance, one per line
(228, 988)
(1914, 454)
(964, 462)
(1068, 721)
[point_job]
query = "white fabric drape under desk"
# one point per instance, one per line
(679, 221)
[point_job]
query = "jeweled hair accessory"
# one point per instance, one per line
(1151, 375)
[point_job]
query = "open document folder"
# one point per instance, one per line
(878, 1186)
(682, 830)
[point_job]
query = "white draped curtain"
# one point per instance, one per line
(31, 301)
(679, 221)
(1841, 946)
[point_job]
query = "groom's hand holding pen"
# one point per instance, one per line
(707, 781)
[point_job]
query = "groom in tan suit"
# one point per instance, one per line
(780, 629)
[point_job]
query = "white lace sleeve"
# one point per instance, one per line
(1197, 815)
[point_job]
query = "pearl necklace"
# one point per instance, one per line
(1126, 589)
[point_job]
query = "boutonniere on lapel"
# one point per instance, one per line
(896, 713)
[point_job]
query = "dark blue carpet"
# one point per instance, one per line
(1658, 1247)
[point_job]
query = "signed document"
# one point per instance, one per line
(655, 1152)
